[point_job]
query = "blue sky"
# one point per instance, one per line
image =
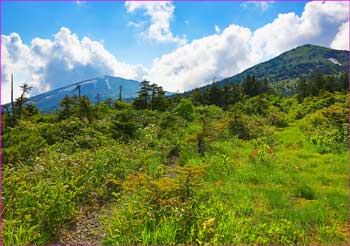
(108, 22)
(180, 45)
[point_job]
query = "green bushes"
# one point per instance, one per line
(327, 128)
(246, 127)
(21, 143)
(35, 210)
(246, 185)
(124, 126)
(185, 109)
(149, 209)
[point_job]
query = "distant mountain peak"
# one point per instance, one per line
(303, 61)
(104, 86)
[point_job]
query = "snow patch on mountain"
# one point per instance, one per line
(335, 61)
(94, 81)
(107, 83)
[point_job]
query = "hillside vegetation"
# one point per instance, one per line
(239, 164)
(301, 61)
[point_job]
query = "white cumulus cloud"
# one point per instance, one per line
(318, 25)
(47, 64)
(341, 40)
(197, 63)
(160, 14)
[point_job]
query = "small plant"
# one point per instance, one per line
(305, 191)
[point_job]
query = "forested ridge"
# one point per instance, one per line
(240, 163)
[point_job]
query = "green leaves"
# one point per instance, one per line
(21, 143)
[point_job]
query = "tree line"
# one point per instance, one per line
(152, 97)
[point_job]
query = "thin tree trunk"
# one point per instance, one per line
(120, 93)
(79, 93)
(12, 103)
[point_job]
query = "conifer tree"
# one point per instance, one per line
(143, 99)
(21, 100)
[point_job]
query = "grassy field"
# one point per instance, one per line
(284, 183)
(252, 192)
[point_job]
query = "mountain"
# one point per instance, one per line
(301, 61)
(105, 87)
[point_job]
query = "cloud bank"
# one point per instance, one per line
(47, 64)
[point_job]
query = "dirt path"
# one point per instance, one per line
(85, 230)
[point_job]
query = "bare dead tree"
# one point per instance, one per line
(12, 102)
(120, 93)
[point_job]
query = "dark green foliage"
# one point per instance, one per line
(21, 143)
(143, 99)
(246, 127)
(67, 105)
(169, 120)
(305, 191)
(120, 105)
(21, 100)
(150, 96)
(318, 83)
(253, 87)
(85, 108)
(215, 96)
(124, 126)
(30, 110)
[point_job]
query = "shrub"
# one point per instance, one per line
(246, 127)
(185, 109)
(36, 210)
(305, 191)
(327, 128)
(150, 209)
(21, 143)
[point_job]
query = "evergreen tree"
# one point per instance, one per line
(302, 88)
(344, 82)
(22, 99)
(85, 109)
(124, 126)
(250, 86)
(30, 110)
(143, 99)
(66, 104)
(13, 120)
(159, 101)
(197, 97)
(235, 94)
(216, 95)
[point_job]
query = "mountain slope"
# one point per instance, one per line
(301, 61)
(105, 87)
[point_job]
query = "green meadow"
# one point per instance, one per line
(264, 169)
